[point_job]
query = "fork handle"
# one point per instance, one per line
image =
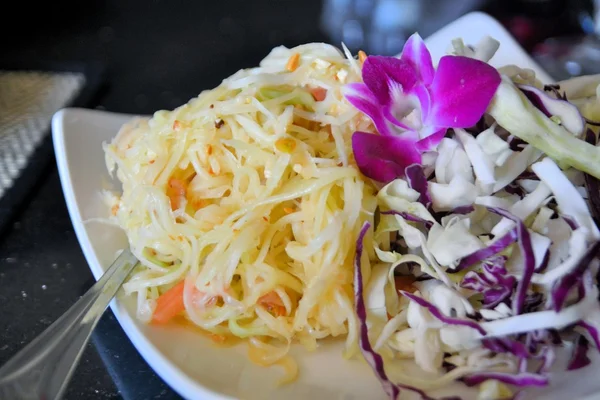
(43, 368)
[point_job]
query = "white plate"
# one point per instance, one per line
(185, 359)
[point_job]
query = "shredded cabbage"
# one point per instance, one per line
(495, 261)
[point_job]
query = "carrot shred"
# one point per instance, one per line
(169, 304)
(319, 93)
(293, 62)
(285, 145)
(196, 202)
(114, 209)
(179, 125)
(273, 303)
(362, 56)
(176, 190)
(218, 338)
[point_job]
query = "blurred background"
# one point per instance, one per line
(140, 56)
(159, 53)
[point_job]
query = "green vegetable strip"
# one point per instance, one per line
(515, 113)
(297, 96)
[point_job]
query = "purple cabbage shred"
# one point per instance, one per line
(520, 379)
(418, 181)
(496, 247)
(409, 217)
(524, 241)
(562, 288)
(373, 358)
(579, 358)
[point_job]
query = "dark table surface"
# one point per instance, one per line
(156, 54)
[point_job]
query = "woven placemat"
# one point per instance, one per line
(28, 99)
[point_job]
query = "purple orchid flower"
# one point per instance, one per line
(412, 105)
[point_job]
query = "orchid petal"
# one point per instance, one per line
(416, 53)
(359, 95)
(422, 95)
(431, 136)
(400, 104)
(461, 91)
(384, 158)
(412, 107)
(381, 73)
(431, 141)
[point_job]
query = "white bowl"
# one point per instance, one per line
(186, 359)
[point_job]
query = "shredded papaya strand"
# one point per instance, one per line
(219, 339)
(290, 368)
(195, 202)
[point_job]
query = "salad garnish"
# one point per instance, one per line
(489, 180)
(412, 105)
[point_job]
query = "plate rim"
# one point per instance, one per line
(483, 17)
